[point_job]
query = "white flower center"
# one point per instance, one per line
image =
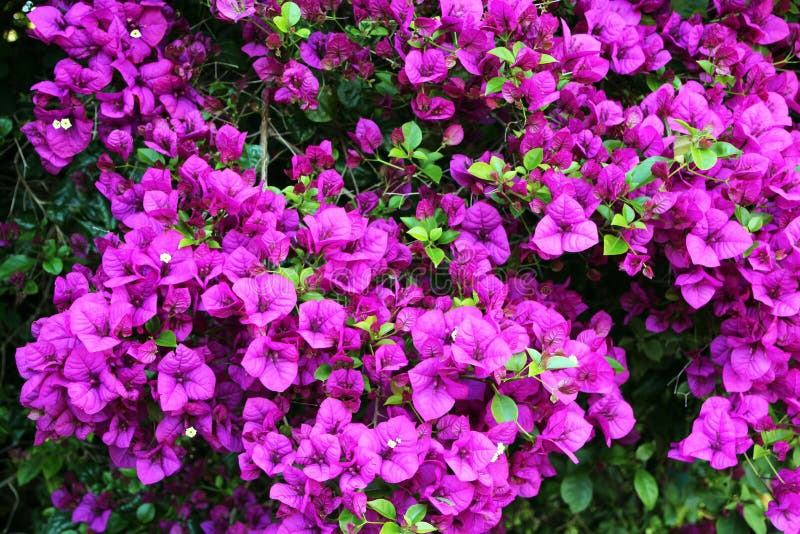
(454, 334)
(28, 7)
(501, 448)
(66, 124)
(56, 124)
(135, 33)
(165, 257)
(190, 432)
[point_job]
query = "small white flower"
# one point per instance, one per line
(392, 444)
(66, 123)
(56, 124)
(135, 33)
(165, 257)
(454, 334)
(190, 432)
(501, 448)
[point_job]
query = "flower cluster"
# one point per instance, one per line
(305, 329)
(122, 79)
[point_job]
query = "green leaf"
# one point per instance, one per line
(281, 23)
(704, 158)
(544, 59)
(495, 85)
(481, 170)
(504, 409)
(731, 524)
(533, 158)
(167, 339)
(646, 488)
(434, 172)
(346, 517)
(628, 212)
(415, 513)
(560, 362)
(619, 220)
(759, 452)
(516, 363)
(412, 136)
(303, 33)
(618, 368)
(576, 491)
(641, 175)
(5, 126)
(391, 528)
(725, 150)
(383, 507)
(435, 234)
(51, 464)
(53, 266)
(397, 152)
(754, 517)
(29, 469)
(613, 245)
(148, 156)
(14, 263)
(435, 254)
(30, 288)
(448, 236)
(503, 53)
(706, 65)
(423, 527)
(323, 372)
(419, 233)
(291, 12)
(146, 512)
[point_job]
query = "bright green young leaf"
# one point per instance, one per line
(704, 158)
(516, 363)
(391, 528)
(412, 136)
(619, 220)
(495, 85)
(481, 170)
(613, 245)
(725, 150)
(503, 53)
(419, 233)
(423, 527)
(281, 23)
(504, 409)
(618, 368)
(415, 513)
(383, 507)
(323, 372)
(544, 59)
(291, 12)
(434, 172)
(646, 488)
(560, 362)
(167, 339)
(435, 254)
(642, 175)
(448, 236)
(435, 234)
(533, 158)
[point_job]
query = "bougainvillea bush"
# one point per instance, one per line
(387, 266)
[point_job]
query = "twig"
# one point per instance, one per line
(13, 512)
(264, 141)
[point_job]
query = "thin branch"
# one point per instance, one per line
(264, 141)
